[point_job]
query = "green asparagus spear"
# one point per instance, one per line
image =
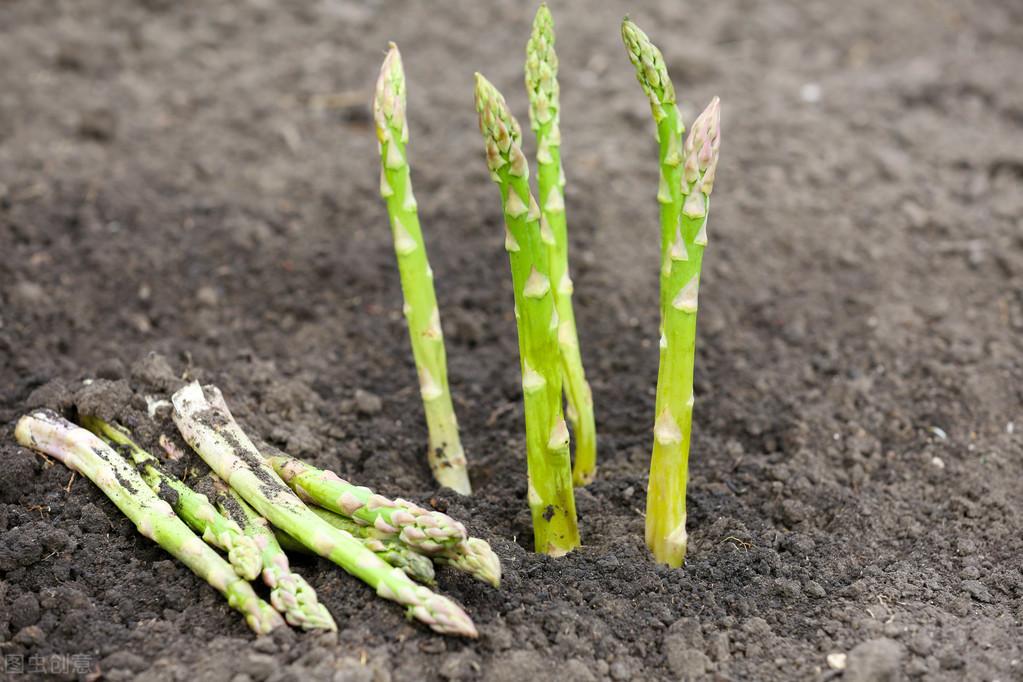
(193, 507)
(550, 496)
(83, 452)
(544, 117)
(290, 594)
(432, 533)
(218, 439)
(445, 454)
(416, 566)
(687, 178)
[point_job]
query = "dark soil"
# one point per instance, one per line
(200, 180)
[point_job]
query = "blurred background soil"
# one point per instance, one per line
(200, 180)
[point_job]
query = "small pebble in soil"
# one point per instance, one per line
(368, 403)
(875, 660)
(837, 661)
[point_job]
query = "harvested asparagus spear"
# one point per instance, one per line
(416, 566)
(85, 453)
(218, 439)
(687, 178)
(432, 533)
(445, 454)
(544, 118)
(550, 496)
(290, 594)
(193, 507)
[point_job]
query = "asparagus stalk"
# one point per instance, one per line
(544, 117)
(687, 178)
(445, 454)
(193, 507)
(218, 439)
(430, 532)
(550, 496)
(415, 565)
(83, 452)
(290, 594)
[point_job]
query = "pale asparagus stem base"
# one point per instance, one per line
(224, 446)
(290, 594)
(193, 507)
(445, 454)
(432, 533)
(687, 177)
(544, 115)
(549, 490)
(85, 453)
(416, 566)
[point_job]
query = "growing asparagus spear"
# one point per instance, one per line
(550, 495)
(544, 117)
(193, 507)
(687, 178)
(433, 533)
(445, 454)
(416, 566)
(83, 452)
(218, 439)
(290, 594)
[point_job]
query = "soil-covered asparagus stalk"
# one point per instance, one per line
(550, 495)
(445, 454)
(290, 594)
(417, 566)
(544, 117)
(687, 178)
(432, 533)
(85, 453)
(193, 507)
(218, 439)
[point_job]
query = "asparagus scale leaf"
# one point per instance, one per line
(218, 439)
(687, 178)
(549, 491)
(544, 118)
(290, 594)
(193, 507)
(445, 453)
(82, 451)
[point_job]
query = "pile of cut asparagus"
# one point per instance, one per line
(253, 502)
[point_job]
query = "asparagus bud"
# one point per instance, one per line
(213, 433)
(550, 496)
(544, 116)
(83, 452)
(445, 454)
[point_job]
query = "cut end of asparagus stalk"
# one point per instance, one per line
(542, 70)
(651, 71)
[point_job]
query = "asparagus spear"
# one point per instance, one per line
(544, 117)
(445, 454)
(83, 452)
(687, 178)
(218, 439)
(430, 532)
(550, 495)
(393, 551)
(290, 594)
(193, 507)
